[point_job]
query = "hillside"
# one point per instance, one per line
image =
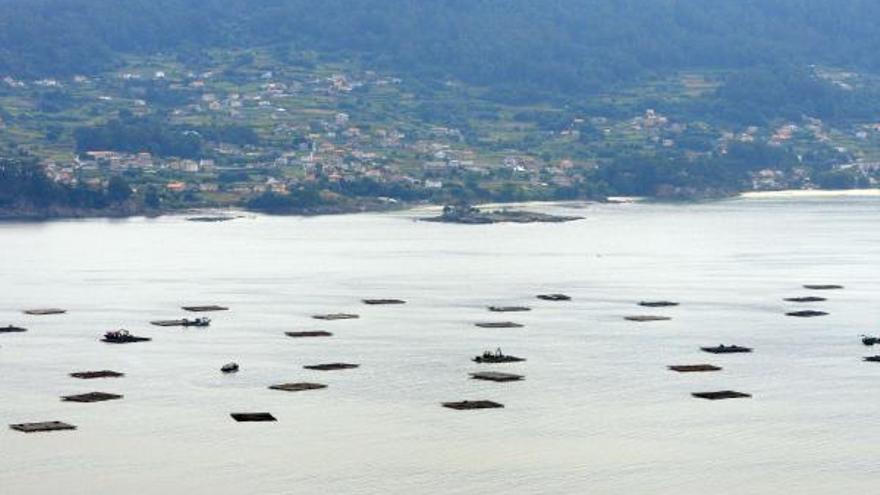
(557, 45)
(346, 105)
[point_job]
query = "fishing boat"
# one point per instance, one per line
(726, 349)
(554, 297)
(122, 337)
(229, 368)
(496, 357)
(869, 341)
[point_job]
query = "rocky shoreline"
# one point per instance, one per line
(469, 215)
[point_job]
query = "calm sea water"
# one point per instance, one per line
(597, 413)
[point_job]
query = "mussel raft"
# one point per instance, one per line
(726, 349)
(508, 309)
(809, 313)
(657, 304)
(42, 426)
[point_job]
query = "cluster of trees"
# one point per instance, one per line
(672, 173)
(302, 199)
(139, 134)
(26, 190)
(151, 134)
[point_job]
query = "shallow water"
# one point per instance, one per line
(597, 413)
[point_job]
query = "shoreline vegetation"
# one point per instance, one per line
(28, 193)
(483, 213)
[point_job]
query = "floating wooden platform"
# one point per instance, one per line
(45, 311)
(495, 376)
(12, 329)
(508, 309)
(375, 302)
(91, 397)
(720, 395)
(554, 297)
(331, 366)
(336, 316)
(473, 404)
(809, 313)
(202, 309)
(88, 375)
(694, 368)
(499, 324)
(806, 299)
(183, 322)
(823, 287)
(43, 426)
(726, 349)
(645, 318)
(657, 304)
(310, 333)
(252, 417)
(167, 323)
(298, 387)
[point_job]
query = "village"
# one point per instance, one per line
(247, 127)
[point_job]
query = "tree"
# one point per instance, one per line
(151, 198)
(118, 190)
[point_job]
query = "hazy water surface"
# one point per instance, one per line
(597, 413)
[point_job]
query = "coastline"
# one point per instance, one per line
(27, 215)
(809, 193)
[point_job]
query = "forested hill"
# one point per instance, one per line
(567, 46)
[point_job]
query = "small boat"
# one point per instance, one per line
(472, 404)
(496, 357)
(869, 341)
(872, 359)
(726, 349)
(12, 329)
(823, 287)
(197, 322)
(229, 368)
(554, 297)
(185, 322)
(508, 309)
(122, 337)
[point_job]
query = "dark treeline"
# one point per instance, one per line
(139, 134)
(133, 134)
(522, 48)
(25, 191)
